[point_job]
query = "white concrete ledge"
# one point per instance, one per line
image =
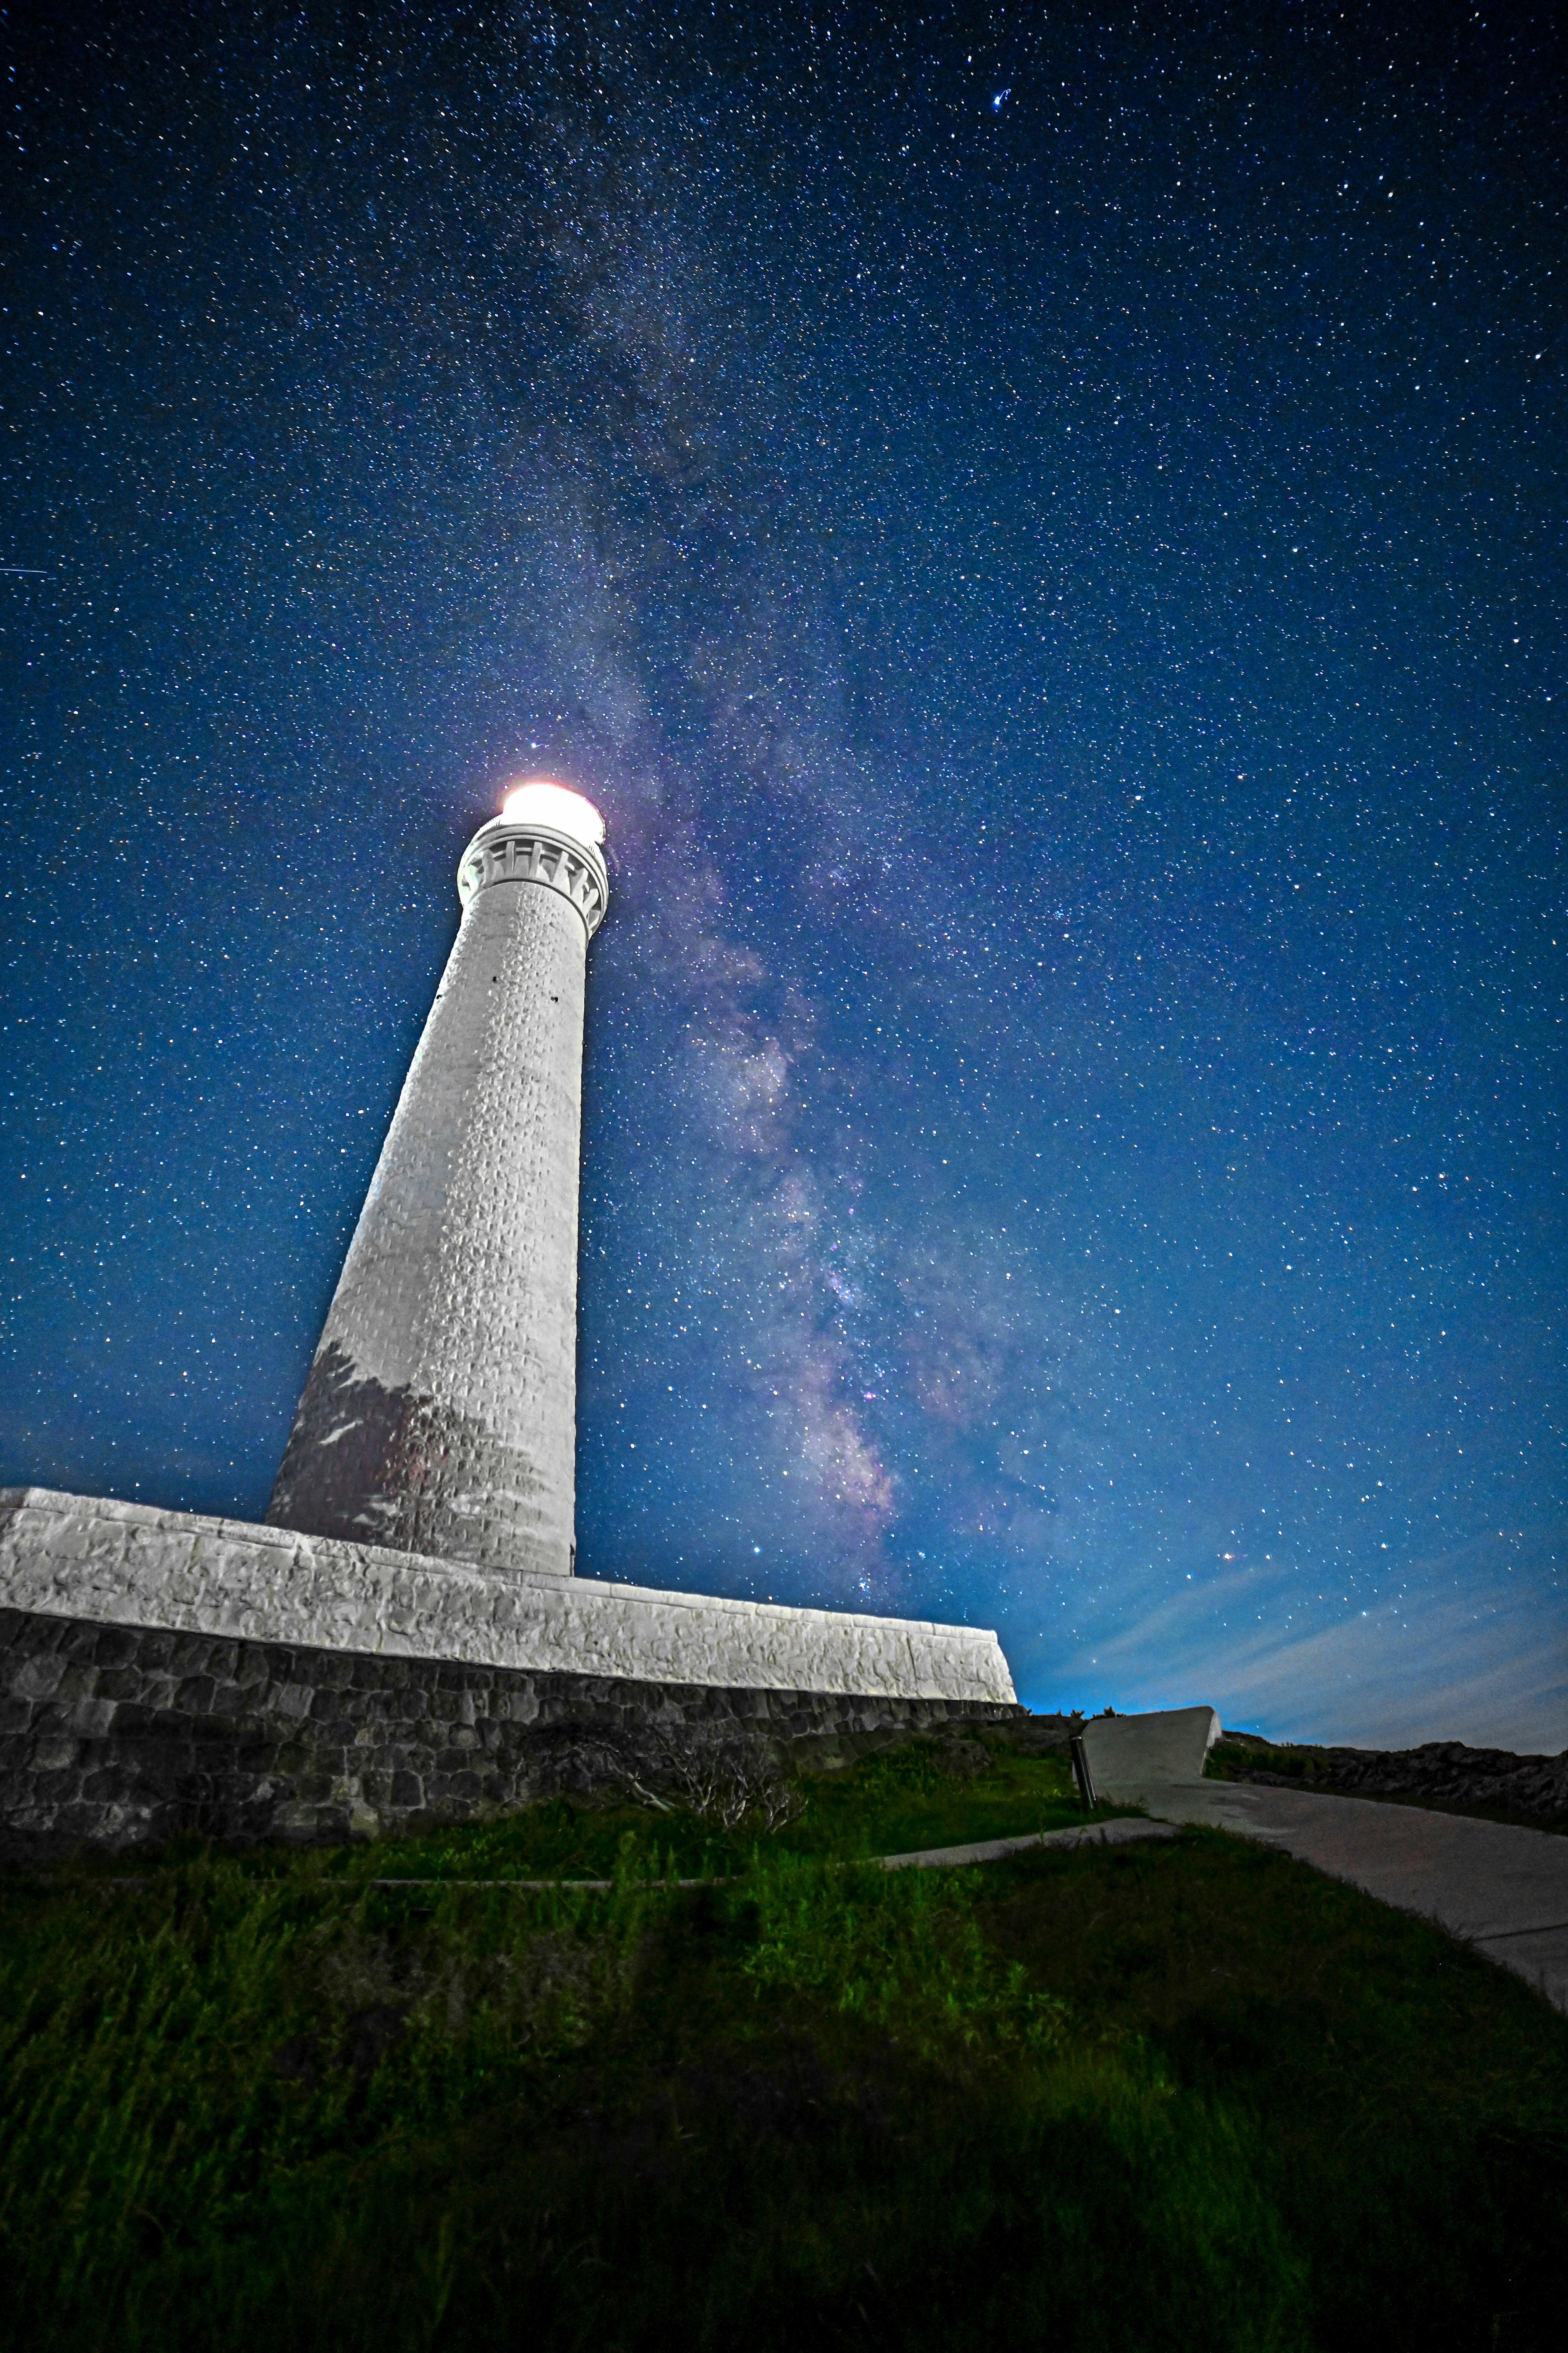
(129, 1564)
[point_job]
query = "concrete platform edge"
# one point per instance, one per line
(91, 1559)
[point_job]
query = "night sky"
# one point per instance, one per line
(1044, 538)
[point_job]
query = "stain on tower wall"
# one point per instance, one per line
(385, 1474)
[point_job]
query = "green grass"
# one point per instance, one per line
(1133, 2098)
(893, 1803)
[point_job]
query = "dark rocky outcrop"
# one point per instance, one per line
(1441, 1772)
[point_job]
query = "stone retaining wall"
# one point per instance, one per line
(118, 1736)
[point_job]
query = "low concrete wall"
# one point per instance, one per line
(1125, 1752)
(117, 1735)
(83, 1557)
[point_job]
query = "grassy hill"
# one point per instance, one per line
(1159, 2095)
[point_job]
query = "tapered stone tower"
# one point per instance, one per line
(440, 1412)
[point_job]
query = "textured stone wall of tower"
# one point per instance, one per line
(439, 1416)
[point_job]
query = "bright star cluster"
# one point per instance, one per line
(1043, 538)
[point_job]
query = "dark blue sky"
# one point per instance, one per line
(1045, 537)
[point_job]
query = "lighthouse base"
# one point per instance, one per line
(162, 1671)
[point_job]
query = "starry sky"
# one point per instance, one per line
(1044, 536)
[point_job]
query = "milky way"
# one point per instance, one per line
(1045, 539)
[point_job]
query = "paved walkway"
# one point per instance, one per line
(942, 1857)
(1120, 1832)
(1503, 1890)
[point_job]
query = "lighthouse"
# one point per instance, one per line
(406, 1642)
(439, 1416)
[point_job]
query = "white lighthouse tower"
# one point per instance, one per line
(383, 1651)
(439, 1416)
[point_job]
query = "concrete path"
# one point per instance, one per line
(944, 1858)
(930, 1858)
(1503, 1890)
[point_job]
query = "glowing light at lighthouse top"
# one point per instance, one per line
(540, 802)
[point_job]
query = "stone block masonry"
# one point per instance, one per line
(121, 1735)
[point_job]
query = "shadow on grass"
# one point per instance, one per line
(1116, 2098)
